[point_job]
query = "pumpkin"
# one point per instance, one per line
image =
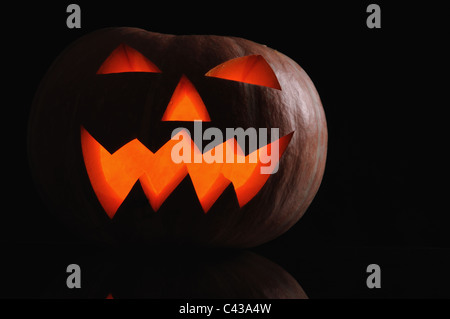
(101, 139)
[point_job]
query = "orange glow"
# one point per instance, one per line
(126, 59)
(186, 104)
(162, 175)
(113, 175)
(252, 69)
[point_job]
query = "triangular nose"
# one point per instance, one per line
(186, 104)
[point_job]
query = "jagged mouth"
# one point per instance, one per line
(112, 176)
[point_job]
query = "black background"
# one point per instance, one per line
(381, 196)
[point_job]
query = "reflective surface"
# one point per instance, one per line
(39, 271)
(176, 274)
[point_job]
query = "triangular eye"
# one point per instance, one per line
(126, 59)
(252, 69)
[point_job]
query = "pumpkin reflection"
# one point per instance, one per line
(184, 275)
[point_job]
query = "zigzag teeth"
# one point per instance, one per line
(112, 176)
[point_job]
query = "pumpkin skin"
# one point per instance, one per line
(118, 108)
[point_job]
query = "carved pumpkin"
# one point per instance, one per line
(100, 138)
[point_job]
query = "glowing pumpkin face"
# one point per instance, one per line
(113, 175)
(101, 146)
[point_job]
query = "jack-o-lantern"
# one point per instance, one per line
(101, 138)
